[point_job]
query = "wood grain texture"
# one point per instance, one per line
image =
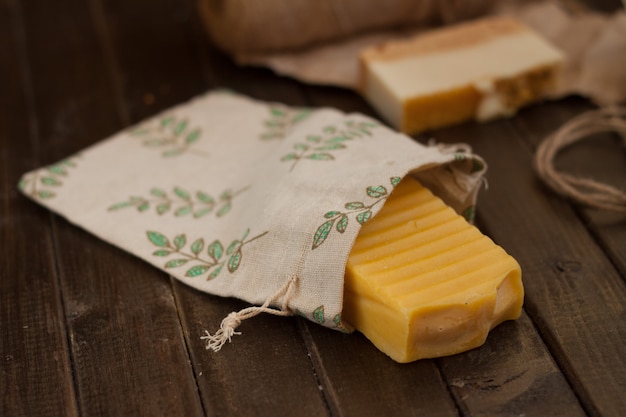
(573, 291)
(599, 157)
(122, 320)
(511, 374)
(87, 329)
(35, 368)
(265, 371)
(359, 380)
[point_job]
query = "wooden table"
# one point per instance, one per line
(87, 329)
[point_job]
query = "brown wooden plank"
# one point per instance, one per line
(359, 380)
(253, 375)
(153, 48)
(265, 371)
(36, 374)
(503, 351)
(574, 295)
(511, 374)
(600, 157)
(122, 318)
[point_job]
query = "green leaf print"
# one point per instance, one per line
(181, 193)
(318, 314)
(322, 233)
(175, 263)
(198, 264)
(361, 211)
(342, 224)
(215, 250)
(182, 202)
(197, 246)
(173, 136)
(194, 271)
(159, 239)
(282, 120)
(376, 192)
(180, 241)
(44, 183)
(333, 138)
(234, 261)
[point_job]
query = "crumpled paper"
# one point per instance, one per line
(594, 45)
(243, 198)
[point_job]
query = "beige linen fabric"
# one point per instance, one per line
(238, 197)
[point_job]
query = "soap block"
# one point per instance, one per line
(421, 282)
(479, 70)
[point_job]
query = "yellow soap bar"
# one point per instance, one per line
(479, 70)
(421, 282)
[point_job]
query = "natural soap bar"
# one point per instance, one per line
(422, 282)
(478, 70)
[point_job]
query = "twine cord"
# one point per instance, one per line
(234, 319)
(583, 190)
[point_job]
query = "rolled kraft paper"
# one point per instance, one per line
(251, 26)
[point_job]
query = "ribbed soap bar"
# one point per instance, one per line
(422, 282)
(477, 70)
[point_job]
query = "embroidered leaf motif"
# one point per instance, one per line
(322, 233)
(282, 120)
(234, 245)
(197, 246)
(174, 263)
(340, 325)
(333, 138)
(318, 314)
(289, 157)
(174, 137)
(216, 250)
(363, 216)
(180, 241)
(204, 197)
(163, 208)
(192, 137)
(342, 223)
(199, 204)
(216, 271)
(181, 193)
(158, 239)
(355, 205)
(320, 156)
(199, 265)
(376, 192)
(224, 209)
(50, 181)
(362, 212)
(157, 192)
(194, 271)
(45, 194)
(182, 211)
(41, 183)
(234, 261)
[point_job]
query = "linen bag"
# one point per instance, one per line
(248, 199)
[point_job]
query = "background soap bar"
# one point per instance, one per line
(422, 282)
(476, 70)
